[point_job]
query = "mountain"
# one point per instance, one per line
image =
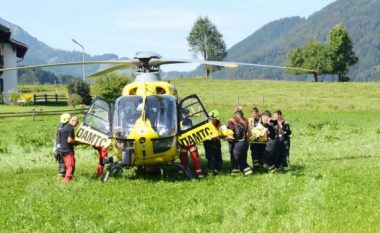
(268, 45)
(40, 53)
(271, 43)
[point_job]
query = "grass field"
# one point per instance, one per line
(333, 185)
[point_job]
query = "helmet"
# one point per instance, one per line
(185, 111)
(65, 117)
(214, 114)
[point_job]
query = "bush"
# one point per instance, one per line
(27, 99)
(13, 97)
(81, 88)
(74, 100)
(110, 86)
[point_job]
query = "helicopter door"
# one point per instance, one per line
(193, 121)
(96, 127)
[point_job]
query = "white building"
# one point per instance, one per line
(11, 51)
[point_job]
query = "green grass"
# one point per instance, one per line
(42, 89)
(38, 108)
(283, 94)
(333, 186)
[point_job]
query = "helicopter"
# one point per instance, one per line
(143, 125)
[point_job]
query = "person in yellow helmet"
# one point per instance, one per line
(213, 147)
(67, 147)
(63, 120)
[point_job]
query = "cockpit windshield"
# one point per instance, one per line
(127, 110)
(160, 110)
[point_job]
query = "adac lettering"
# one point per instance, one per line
(196, 137)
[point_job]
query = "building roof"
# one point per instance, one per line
(5, 37)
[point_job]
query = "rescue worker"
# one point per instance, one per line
(64, 119)
(231, 125)
(271, 147)
(102, 153)
(257, 146)
(187, 123)
(283, 138)
(213, 147)
(67, 142)
(241, 134)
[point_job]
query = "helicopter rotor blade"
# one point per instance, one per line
(232, 65)
(121, 64)
(108, 70)
(159, 62)
(125, 63)
(276, 67)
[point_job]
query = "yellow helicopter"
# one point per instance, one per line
(143, 125)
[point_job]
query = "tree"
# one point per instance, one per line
(340, 50)
(110, 86)
(205, 39)
(311, 56)
(77, 86)
(333, 57)
(74, 100)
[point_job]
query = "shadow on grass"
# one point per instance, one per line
(296, 170)
(172, 175)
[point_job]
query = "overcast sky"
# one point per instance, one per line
(124, 27)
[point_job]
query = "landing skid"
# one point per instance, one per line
(171, 170)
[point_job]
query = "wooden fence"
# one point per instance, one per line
(49, 99)
(35, 112)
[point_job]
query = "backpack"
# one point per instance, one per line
(57, 145)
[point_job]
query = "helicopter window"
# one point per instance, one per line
(128, 110)
(162, 114)
(192, 114)
(98, 116)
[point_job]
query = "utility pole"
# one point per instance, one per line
(80, 45)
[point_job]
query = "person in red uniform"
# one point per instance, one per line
(103, 153)
(67, 142)
(64, 119)
(186, 124)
